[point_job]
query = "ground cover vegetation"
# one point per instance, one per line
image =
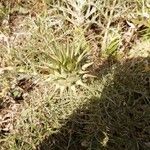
(74, 74)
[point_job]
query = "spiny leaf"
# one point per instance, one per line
(81, 57)
(85, 66)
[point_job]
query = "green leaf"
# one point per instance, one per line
(113, 46)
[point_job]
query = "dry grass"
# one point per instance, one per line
(45, 39)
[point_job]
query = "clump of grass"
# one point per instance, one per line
(64, 64)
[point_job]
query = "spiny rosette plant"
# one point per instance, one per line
(69, 63)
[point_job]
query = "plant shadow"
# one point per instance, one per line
(117, 119)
